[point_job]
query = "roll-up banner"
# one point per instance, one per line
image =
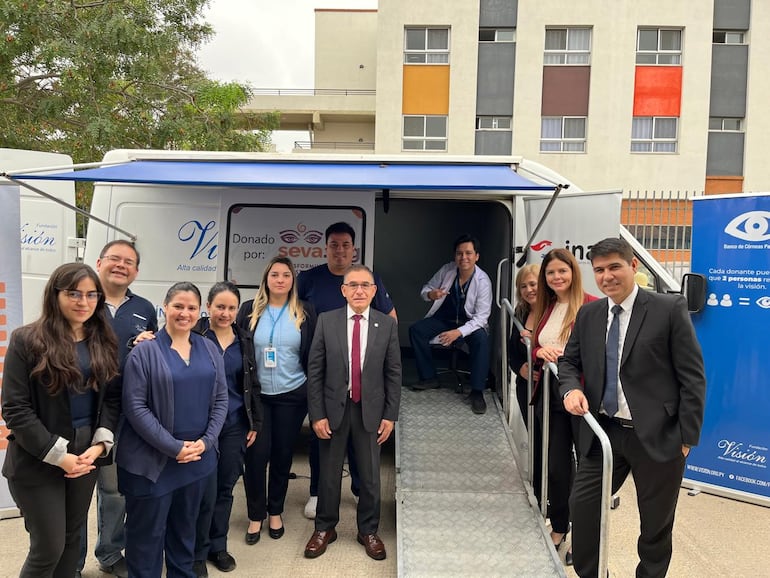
(731, 247)
(10, 308)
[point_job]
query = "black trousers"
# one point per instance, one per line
(332, 454)
(561, 465)
(657, 490)
(54, 511)
(283, 415)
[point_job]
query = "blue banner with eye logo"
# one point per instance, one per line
(731, 247)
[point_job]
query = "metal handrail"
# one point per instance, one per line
(313, 91)
(507, 312)
(604, 525)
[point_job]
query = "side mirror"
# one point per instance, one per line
(694, 290)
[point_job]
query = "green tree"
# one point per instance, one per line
(82, 77)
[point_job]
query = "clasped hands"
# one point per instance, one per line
(76, 466)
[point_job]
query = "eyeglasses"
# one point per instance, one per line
(355, 286)
(115, 259)
(78, 295)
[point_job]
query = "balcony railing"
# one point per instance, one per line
(310, 145)
(313, 92)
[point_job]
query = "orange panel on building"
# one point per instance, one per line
(658, 91)
(426, 89)
(723, 185)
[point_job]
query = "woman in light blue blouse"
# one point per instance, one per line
(282, 327)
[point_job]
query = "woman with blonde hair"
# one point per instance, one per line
(282, 328)
(559, 296)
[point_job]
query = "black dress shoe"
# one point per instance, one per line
(568, 558)
(275, 534)
(424, 384)
(223, 561)
(253, 537)
(478, 405)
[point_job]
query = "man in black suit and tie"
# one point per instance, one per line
(633, 361)
(353, 389)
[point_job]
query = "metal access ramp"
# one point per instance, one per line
(462, 508)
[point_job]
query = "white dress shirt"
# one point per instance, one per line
(625, 317)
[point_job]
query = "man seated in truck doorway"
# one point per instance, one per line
(462, 302)
(321, 287)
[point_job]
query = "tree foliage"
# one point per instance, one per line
(83, 77)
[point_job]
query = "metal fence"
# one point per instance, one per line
(662, 222)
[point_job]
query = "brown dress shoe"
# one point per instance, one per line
(373, 545)
(319, 541)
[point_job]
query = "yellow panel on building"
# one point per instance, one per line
(426, 89)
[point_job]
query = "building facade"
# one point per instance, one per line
(610, 94)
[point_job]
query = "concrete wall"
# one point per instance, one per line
(346, 49)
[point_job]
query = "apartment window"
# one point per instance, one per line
(497, 35)
(424, 133)
(727, 37)
(567, 46)
(654, 134)
(659, 46)
(493, 123)
(565, 134)
(426, 46)
(719, 124)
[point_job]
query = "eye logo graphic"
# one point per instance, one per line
(291, 236)
(764, 302)
(753, 226)
(541, 245)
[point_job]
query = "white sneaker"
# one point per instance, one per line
(310, 507)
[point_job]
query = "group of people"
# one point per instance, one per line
(206, 399)
(631, 359)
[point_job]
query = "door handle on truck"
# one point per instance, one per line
(499, 276)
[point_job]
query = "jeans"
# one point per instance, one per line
(420, 334)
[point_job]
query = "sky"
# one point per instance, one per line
(267, 44)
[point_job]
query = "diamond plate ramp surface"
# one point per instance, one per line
(462, 508)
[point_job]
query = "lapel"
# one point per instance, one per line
(373, 328)
(635, 324)
(341, 331)
(599, 323)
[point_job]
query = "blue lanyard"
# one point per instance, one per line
(275, 321)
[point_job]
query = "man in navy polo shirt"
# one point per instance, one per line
(321, 286)
(130, 315)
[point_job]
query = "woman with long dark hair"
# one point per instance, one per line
(62, 415)
(559, 296)
(282, 327)
(242, 424)
(174, 402)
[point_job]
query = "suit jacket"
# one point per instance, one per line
(37, 420)
(328, 370)
(661, 371)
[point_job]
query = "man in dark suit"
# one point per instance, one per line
(633, 361)
(354, 389)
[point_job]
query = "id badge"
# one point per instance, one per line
(270, 357)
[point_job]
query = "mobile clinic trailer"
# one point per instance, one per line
(208, 216)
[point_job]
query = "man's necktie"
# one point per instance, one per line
(355, 360)
(610, 398)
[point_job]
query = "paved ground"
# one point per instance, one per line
(714, 538)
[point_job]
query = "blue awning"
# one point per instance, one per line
(304, 175)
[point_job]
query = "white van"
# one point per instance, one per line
(47, 228)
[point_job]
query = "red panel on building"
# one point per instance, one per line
(658, 91)
(565, 90)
